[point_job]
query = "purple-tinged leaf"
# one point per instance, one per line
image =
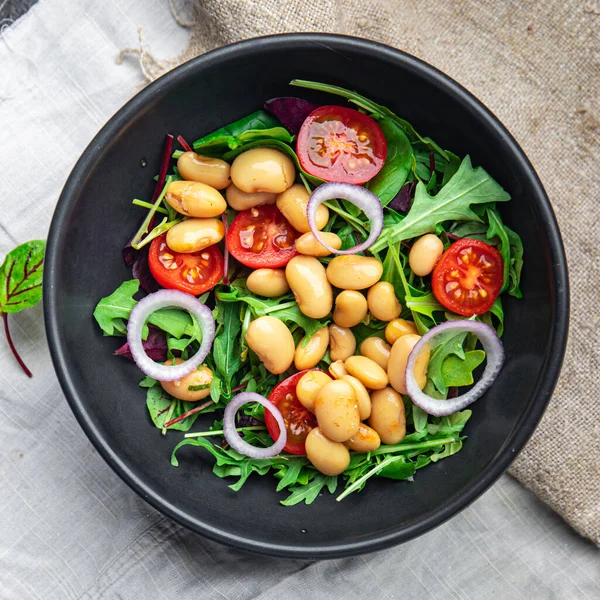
(141, 271)
(155, 346)
(402, 201)
(291, 111)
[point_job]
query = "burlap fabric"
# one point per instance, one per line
(536, 65)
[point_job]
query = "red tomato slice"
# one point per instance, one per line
(341, 144)
(468, 277)
(262, 238)
(298, 420)
(194, 272)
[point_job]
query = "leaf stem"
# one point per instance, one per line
(187, 414)
(220, 431)
(183, 143)
(148, 205)
(135, 242)
(356, 223)
(367, 475)
(12, 346)
(413, 446)
(169, 415)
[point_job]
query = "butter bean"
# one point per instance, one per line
(425, 252)
(211, 171)
(342, 342)
(195, 199)
(307, 357)
(263, 170)
(293, 204)
(399, 357)
(387, 415)
(193, 235)
(306, 276)
(354, 272)
(350, 308)
(336, 410)
(364, 440)
(308, 244)
(239, 200)
(382, 301)
(397, 328)
(367, 371)
(180, 388)
(272, 342)
(309, 386)
(376, 349)
(328, 457)
(337, 369)
(270, 283)
(362, 396)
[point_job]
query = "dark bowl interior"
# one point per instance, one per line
(94, 218)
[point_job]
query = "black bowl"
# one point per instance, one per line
(94, 218)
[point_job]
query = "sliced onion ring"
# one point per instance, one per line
(166, 299)
(362, 198)
(233, 437)
(495, 359)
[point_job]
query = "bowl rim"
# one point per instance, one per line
(513, 444)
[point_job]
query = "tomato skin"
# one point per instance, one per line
(336, 143)
(208, 263)
(468, 277)
(262, 237)
(295, 443)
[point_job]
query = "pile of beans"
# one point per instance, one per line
(358, 405)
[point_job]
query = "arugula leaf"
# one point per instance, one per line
(21, 285)
(226, 346)
(453, 202)
(376, 110)
(308, 493)
(387, 183)
(398, 469)
(444, 345)
(426, 304)
(449, 450)
(516, 262)
(232, 135)
(496, 229)
(457, 372)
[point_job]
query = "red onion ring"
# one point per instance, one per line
(164, 299)
(233, 437)
(494, 352)
(362, 198)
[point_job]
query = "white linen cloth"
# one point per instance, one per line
(69, 528)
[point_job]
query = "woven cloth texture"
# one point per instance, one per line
(536, 65)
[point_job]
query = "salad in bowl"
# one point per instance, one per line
(326, 282)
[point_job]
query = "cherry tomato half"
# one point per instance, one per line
(468, 277)
(298, 420)
(194, 272)
(261, 237)
(341, 144)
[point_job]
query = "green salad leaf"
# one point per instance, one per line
(21, 276)
(113, 310)
(387, 183)
(458, 372)
(453, 202)
(255, 126)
